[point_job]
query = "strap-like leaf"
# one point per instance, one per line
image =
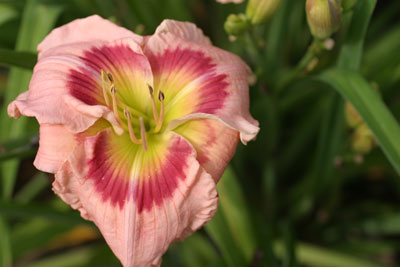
(26, 60)
(352, 86)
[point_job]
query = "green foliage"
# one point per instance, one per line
(370, 106)
(24, 60)
(297, 196)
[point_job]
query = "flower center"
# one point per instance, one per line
(132, 120)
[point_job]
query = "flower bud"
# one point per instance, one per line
(352, 117)
(258, 11)
(324, 17)
(348, 5)
(236, 24)
(363, 140)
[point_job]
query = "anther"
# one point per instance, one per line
(143, 133)
(127, 114)
(104, 87)
(130, 128)
(113, 90)
(110, 77)
(161, 96)
(151, 90)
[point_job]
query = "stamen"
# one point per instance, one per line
(114, 101)
(143, 133)
(130, 128)
(104, 86)
(153, 103)
(161, 96)
(110, 77)
(161, 117)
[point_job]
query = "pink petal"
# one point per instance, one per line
(203, 81)
(139, 210)
(214, 142)
(56, 143)
(90, 29)
(184, 30)
(66, 84)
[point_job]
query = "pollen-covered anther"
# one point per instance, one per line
(110, 77)
(130, 128)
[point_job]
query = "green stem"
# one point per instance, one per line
(254, 50)
(314, 50)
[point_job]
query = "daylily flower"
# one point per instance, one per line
(137, 130)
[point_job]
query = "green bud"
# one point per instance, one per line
(352, 117)
(236, 24)
(324, 17)
(258, 11)
(348, 5)
(363, 140)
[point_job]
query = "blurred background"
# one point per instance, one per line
(314, 189)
